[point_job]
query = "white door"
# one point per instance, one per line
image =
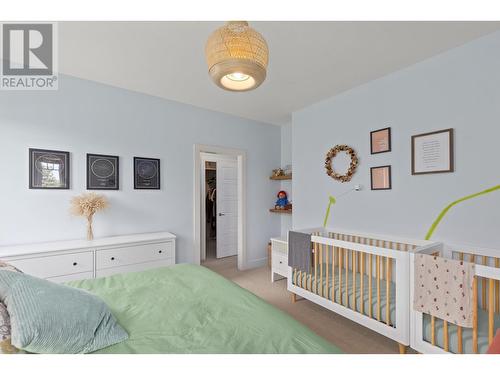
(227, 208)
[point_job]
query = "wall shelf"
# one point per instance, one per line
(285, 177)
(280, 211)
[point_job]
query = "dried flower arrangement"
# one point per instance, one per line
(87, 205)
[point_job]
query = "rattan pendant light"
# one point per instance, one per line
(237, 57)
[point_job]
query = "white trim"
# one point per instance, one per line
(375, 236)
(241, 157)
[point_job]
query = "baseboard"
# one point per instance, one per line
(256, 263)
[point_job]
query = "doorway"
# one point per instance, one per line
(219, 206)
(219, 209)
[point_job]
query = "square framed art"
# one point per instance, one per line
(49, 169)
(432, 152)
(103, 172)
(380, 141)
(146, 173)
(381, 178)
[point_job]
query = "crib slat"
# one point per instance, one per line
(377, 273)
(315, 269)
(497, 288)
(433, 330)
(491, 322)
(445, 336)
(362, 286)
(387, 291)
(347, 302)
(483, 288)
(341, 255)
(333, 274)
(460, 340)
(370, 290)
(474, 319)
(327, 281)
(354, 259)
(320, 269)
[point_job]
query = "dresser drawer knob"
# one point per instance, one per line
(160, 251)
(74, 263)
(112, 258)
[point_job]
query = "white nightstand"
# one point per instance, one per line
(279, 257)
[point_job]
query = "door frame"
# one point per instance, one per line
(204, 157)
(198, 182)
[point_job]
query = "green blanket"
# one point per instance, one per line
(190, 309)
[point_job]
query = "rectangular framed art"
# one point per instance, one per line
(103, 172)
(48, 169)
(432, 152)
(146, 173)
(380, 141)
(381, 177)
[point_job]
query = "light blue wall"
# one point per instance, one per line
(86, 117)
(458, 89)
(286, 185)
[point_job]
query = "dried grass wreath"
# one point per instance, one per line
(352, 167)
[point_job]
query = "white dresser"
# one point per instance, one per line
(80, 259)
(279, 257)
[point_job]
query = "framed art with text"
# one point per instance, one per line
(380, 141)
(48, 169)
(103, 172)
(146, 173)
(381, 177)
(432, 152)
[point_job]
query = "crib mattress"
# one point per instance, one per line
(482, 336)
(375, 307)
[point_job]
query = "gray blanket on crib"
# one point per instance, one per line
(299, 250)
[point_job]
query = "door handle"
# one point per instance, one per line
(221, 214)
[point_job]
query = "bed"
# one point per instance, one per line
(190, 309)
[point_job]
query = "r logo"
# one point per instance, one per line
(27, 49)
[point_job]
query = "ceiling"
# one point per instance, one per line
(309, 61)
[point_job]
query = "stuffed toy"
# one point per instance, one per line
(282, 201)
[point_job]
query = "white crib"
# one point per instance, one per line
(363, 277)
(430, 334)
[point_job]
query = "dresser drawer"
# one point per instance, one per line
(134, 254)
(72, 277)
(280, 264)
(56, 265)
(134, 267)
(279, 247)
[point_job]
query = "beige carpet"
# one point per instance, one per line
(345, 334)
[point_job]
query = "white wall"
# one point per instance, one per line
(86, 117)
(458, 89)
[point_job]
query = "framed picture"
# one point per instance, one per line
(380, 141)
(146, 173)
(381, 177)
(48, 169)
(432, 152)
(102, 172)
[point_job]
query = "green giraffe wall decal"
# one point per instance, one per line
(440, 217)
(436, 222)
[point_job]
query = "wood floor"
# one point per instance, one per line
(345, 334)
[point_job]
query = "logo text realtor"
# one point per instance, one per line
(28, 56)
